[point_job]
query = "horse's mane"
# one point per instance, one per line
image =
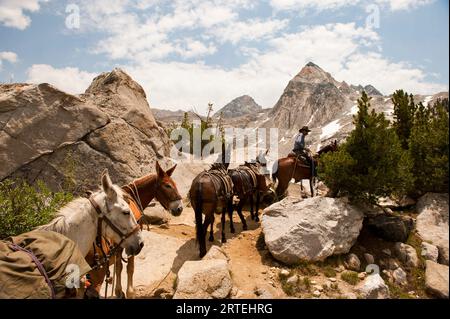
(217, 166)
(59, 223)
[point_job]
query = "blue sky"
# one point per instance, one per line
(186, 53)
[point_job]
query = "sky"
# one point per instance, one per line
(187, 53)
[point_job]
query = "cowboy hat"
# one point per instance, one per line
(305, 128)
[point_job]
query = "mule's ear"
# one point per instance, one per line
(159, 170)
(170, 171)
(107, 185)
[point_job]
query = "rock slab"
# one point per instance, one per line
(432, 222)
(436, 279)
(310, 230)
(373, 287)
(208, 278)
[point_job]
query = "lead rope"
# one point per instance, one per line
(113, 286)
(136, 195)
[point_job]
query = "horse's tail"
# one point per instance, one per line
(275, 172)
(200, 237)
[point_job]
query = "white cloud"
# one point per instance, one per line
(8, 56)
(150, 30)
(348, 52)
(253, 29)
(11, 57)
(311, 4)
(70, 80)
(321, 5)
(12, 12)
(191, 48)
(387, 76)
(396, 5)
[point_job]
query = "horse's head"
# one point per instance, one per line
(167, 192)
(332, 147)
(261, 158)
(122, 227)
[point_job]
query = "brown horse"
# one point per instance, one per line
(140, 193)
(249, 182)
(292, 167)
(211, 192)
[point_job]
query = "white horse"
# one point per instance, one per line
(78, 220)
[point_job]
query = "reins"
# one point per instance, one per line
(104, 260)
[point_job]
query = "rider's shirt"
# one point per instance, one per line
(299, 144)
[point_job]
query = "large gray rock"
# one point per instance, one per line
(60, 138)
(406, 254)
(352, 262)
(391, 228)
(400, 277)
(432, 222)
(373, 287)
(436, 279)
(310, 230)
(160, 256)
(429, 252)
(203, 280)
(208, 278)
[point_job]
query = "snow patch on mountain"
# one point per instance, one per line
(330, 129)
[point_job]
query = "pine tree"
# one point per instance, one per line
(371, 163)
(404, 109)
(429, 148)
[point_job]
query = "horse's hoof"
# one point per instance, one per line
(131, 294)
(120, 295)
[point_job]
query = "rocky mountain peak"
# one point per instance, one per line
(311, 98)
(115, 81)
(369, 89)
(312, 73)
(240, 106)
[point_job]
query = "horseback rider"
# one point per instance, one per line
(300, 148)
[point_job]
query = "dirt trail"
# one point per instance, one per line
(251, 265)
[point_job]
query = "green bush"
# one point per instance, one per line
(24, 207)
(350, 277)
(371, 163)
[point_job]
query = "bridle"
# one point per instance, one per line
(98, 239)
(159, 194)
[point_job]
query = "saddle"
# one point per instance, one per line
(248, 178)
(300, 157)
(221, 181)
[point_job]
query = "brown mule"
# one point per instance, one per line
(211, 193)
(140, 193)
(249, 181)
(292, 167)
